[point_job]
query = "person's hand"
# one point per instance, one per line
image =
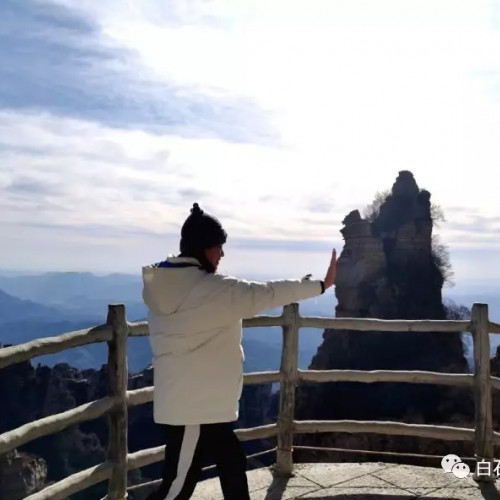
(331, 272)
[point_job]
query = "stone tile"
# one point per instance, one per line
(290, 493)
(354, 481)
(361, 494)
(466, 481)
(208, 490)
(260, 478)
(365, 481)
(425, 493)
(412, 478)
(261, 484)
(332, 474)
(455, 494)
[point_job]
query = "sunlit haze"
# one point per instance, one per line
(279, 117)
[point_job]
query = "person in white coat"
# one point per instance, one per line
(195, 329)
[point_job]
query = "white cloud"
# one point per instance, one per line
(86, 174)
(357, 90)
(360, 88)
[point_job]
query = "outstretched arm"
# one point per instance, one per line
(247, 298)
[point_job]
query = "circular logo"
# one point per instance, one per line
(460, 470)
(449, 461)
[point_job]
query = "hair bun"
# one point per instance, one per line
(196, 210)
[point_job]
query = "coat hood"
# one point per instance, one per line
(167, 284)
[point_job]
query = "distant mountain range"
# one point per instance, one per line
(14, 309)
(53, 303)
(79, 294)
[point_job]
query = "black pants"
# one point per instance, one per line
(187, 447)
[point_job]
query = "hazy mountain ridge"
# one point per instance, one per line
(14, 309)
(66, 287)
(48, 304)
(27, 319)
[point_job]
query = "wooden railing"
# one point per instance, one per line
(116, 331)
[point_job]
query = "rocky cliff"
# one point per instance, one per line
(21, 475)
(29, 393)
(388, 269)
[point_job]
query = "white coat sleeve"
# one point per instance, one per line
(248, 298)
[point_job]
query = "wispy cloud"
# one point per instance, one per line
(84, 174)
(25, 186)
(114, 175)
(55, 59)
(477, 224)
(278, 117)
(473, 231)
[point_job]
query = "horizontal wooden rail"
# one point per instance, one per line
(261, 378)
(138, 329)
(385, 325)
(257, 321)
(145, 394)
(150, 456)
(50, 345)
(413, 377)
(392, 428)
(376, 452)
(96, 409)
(494, 327)
(54, 423)
(141, 328)
(89, 477)
(94, 475)
(142, 458)
(140, 396)
(261, 432)
(157, 482)
(74, 483)
(359, 324)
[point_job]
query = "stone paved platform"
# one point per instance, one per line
(353, 481)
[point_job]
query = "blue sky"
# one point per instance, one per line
(279, 117)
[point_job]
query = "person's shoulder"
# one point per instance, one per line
(222, 280)
(215, 285)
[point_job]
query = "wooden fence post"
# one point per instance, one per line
(482, 394)
(289, 374)
(118, 417)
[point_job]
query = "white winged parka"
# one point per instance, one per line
(195, 330)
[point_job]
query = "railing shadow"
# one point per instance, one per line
(278, 487)
(372, 496)
(383, 496)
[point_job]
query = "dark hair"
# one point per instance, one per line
(205, 264)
